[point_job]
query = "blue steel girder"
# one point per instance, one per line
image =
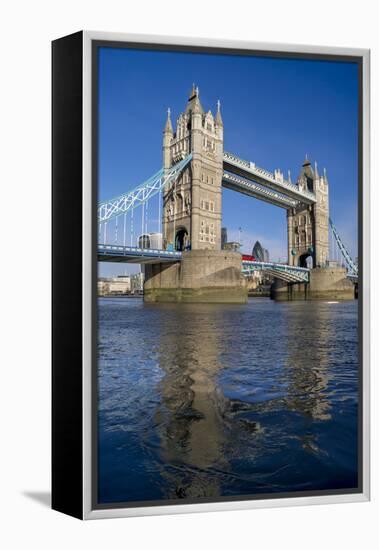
(249, 170)
(136, 197)
(252, 189)
(291, 274)
(352, 276)
(352, 266)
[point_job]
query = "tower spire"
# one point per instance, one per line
(168, 127)
(218, 114)
(316, 170)
(194, 92)
(194, 104)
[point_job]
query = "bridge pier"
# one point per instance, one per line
(210, 276)
(324, 284)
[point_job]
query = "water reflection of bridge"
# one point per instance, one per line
(223, 406)
(190, 417)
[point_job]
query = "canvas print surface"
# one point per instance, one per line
(228, 302)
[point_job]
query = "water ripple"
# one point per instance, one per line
(206, 400)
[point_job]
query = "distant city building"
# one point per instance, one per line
(150, 240)
(260, 253)
(224, 237)
(119, 285)
(137, 283)
(102, 287)
(232, 246)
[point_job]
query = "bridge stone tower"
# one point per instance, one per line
(308, 226)
(192, 207)
(192, 216)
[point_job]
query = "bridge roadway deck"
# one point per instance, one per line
(133, 254)
(136, 255)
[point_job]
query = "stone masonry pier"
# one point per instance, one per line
(324, 284)
(210, 276)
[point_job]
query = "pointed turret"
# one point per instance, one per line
(316, 171)
(193, 92)
(306, 169)
(168, 127)
(306, 176)
(194, 104)
(218, 119)
(168, 134)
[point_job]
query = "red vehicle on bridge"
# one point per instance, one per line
(248, 258)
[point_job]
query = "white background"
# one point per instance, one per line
(26, 31)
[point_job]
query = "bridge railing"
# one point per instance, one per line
(287, 272)
(130, 250)
(276, 264)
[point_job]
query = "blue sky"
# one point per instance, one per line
(274, 112)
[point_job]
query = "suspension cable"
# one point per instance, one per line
(131, 228)
(142, 223)
(124, 229)
(146, 215)
(159, 211)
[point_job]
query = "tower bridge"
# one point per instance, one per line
(190, 264)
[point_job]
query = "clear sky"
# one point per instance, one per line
(275, 111)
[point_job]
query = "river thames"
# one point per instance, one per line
(206, 401)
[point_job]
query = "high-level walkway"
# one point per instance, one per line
(246, 177)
